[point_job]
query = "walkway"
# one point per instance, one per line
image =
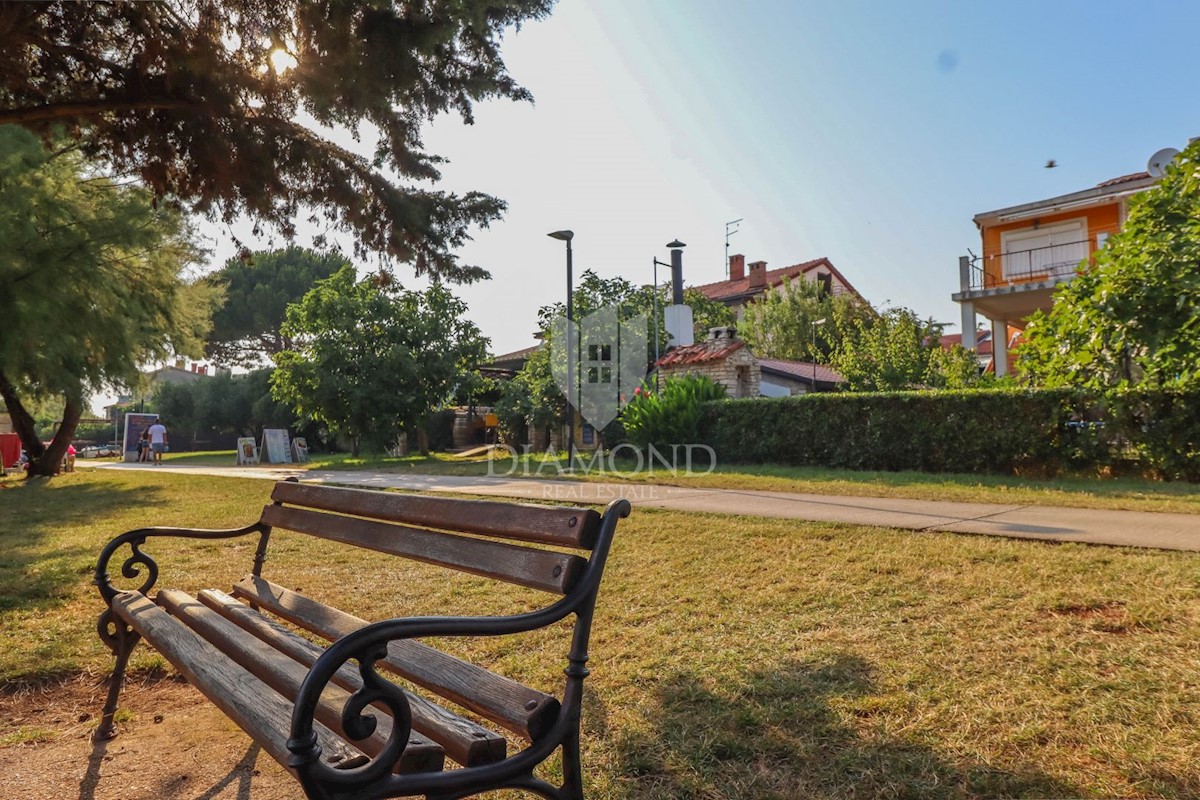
(1050, 523)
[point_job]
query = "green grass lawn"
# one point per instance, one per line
(732, 657)
(1081, 492)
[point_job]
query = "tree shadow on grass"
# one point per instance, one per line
(39, 568)
(776, 735)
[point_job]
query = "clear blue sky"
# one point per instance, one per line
(866, 132)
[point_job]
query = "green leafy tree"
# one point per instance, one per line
(899, 350)
(223, 104)
(224, 404)
(91, 286)
(784, 323)
(248, 327)
(533, 394)
(593, 293)
(371, 358)
(1132, 318)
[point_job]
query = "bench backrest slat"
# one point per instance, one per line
(538, 569)
(518, 708)
(554, 525)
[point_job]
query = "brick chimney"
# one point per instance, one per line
(758, 274)
(737, 267)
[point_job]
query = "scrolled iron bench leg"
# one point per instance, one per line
(119, 638)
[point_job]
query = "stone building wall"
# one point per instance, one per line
(724, 371)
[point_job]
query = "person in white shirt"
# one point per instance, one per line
(158, 440)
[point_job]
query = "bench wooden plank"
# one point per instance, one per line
(538, 569)
(465, 742)
(258, 709)
(285, 675)
(517, 708)
(556, 525)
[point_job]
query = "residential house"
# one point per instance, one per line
(506, 365)
(745, 286)
(1029, 249)
(781, 378)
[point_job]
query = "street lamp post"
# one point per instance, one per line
(816, 322)
(657, 331)
(567, 236)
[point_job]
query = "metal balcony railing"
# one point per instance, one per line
(1054, 262)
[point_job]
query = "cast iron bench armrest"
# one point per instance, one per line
(132, 566)
(368, 645)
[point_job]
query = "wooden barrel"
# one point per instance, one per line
(463, 430)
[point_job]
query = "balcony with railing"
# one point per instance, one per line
(1040, 265)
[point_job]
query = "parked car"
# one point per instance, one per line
(100, 451)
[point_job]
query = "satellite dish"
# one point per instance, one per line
(1157, 166)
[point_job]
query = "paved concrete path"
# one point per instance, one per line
(1051, 523)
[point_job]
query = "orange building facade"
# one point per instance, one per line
(1028, 250)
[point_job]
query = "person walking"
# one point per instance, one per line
(143, 454)
(158, 440)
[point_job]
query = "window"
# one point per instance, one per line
(599, 365)
(1045, 250)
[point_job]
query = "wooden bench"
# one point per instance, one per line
(326, 713)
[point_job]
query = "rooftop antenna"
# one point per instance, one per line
(729, 233)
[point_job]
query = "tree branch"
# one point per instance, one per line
(87, 108)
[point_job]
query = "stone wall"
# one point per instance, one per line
(724, 371)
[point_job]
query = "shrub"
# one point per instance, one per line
(670, 416)
(981, 430)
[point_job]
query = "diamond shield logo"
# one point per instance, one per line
(604, 357)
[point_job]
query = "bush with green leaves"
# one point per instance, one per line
(1129, 319)
(670, 415)
(1025, 431)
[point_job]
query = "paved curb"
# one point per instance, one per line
(1160, 530)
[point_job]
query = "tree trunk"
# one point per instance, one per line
(423, 440)
(22, 422)
(43, 460)
(51, 461)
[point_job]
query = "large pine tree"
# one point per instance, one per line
(223, 103)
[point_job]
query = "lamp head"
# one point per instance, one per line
(820, 321)
(562, 236)
(675, 245)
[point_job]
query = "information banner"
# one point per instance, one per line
(247, 450)
(300, 449)
(135, 424)
(275, 446)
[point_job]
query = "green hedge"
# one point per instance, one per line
(982, 430)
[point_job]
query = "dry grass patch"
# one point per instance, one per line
(732, 657)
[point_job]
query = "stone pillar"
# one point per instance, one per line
(1000, 346)
(968, 325)
(964, 273)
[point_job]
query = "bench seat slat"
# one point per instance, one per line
(258, 709)
(518, 708)
(465, 742)
(285, 675)
(538, 569)
(556, 525)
